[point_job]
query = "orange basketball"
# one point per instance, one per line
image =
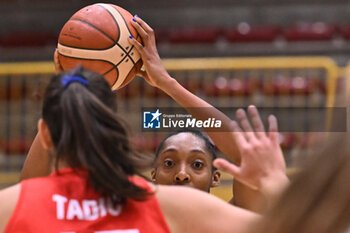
(97, 38)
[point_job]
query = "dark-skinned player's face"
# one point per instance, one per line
(185, 160)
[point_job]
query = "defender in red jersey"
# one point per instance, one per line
(93, 189)
(65, 202)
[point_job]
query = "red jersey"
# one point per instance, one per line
(64, 203)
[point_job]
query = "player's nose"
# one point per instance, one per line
(182, 175)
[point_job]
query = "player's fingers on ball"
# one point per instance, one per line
(55, 54)
(137, 45)
(144, 35)
(58, 67)
(144, 25)
(55, 58)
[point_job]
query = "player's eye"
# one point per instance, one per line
(197, 164)
(168, 163)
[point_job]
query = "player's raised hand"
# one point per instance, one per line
(155, 73)
(58, 67)
(262, 163)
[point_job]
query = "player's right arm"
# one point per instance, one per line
(190, 210)
(37, 162)
(156, 75)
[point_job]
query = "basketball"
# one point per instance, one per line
(96, 37)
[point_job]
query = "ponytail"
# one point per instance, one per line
(86, 133)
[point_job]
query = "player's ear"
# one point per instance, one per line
(215, 178)
(153, 176)
(44, 134)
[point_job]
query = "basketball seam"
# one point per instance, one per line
(109, 70)
(74, 47)
(127, 75)
(129, 32)
(122, 18)
(95, 27)
(116, 42)
(114, 67)
(127, 53)
(115, 21)
(87, 59)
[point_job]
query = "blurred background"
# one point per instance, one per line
(271, 53)
(226, 27)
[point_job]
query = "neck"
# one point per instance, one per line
(61, 164)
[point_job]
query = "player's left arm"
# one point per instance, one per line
(8, 201)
